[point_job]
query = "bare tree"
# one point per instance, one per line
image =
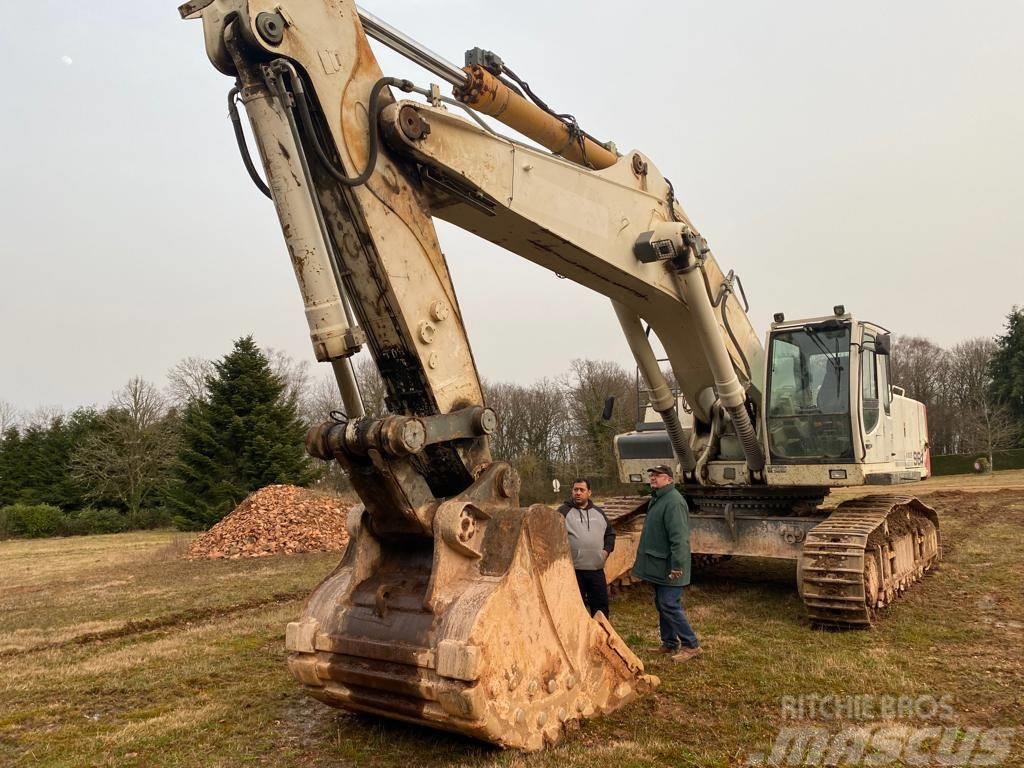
(531, 420)
(293, 373)
(42, 417)
(923, 370)
(507, 440)
(371, 386)
(187, 381)
(984, 425)
(534, 432)
(322, 397)
(992, 429)
(918, 366)
(9, 416)
(588, 385)
(129, 456)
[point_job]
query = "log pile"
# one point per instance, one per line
(278, 519)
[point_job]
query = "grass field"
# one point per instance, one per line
(114, 651)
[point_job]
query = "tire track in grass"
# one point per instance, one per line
(143, 626)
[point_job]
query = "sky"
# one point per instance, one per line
(869, 154)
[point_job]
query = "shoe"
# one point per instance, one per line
(687, 653)
(661, 649)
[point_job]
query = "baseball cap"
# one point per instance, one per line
(662, 469)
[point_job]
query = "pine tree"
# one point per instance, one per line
(36, 460)
(244, 435)
(10, 454)
(1007, 368)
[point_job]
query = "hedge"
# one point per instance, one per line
(963, 463)
(33, 521)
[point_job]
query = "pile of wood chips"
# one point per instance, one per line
(274, 520)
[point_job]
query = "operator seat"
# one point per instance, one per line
(834, 392)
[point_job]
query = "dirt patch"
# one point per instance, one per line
(278, 519)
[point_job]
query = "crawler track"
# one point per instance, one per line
(864, 556)
(620, 510)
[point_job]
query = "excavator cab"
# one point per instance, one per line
(830, 415)
(830, 407)
(808, 393)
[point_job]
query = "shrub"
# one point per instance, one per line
(183, 523)
(30, 520)
(89, 520)
(148, 519)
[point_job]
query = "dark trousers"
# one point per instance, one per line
(593, 590)
(672, 621)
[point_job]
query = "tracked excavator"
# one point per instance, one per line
(454, 606)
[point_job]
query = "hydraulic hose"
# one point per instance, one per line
(727, 384)
(243, 147)
(309, 126)
(748, 437)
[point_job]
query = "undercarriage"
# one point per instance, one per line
(851, 560)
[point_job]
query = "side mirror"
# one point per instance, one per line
(609, 407)
(883, 344)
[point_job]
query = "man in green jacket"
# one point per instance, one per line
(663, 559)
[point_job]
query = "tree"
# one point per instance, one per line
(371, 386)
(10, 442)
(10, 454)
(917, 366)
(294, 374)
(923, 370)
(129, 455)
(985, 425)
(1007, 368)
(36, 458)
(9, 416)
(246, 435)
(186, 381)
(589, 384)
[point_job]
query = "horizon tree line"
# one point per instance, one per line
(220, 429)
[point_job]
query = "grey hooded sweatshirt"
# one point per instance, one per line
(589, 533)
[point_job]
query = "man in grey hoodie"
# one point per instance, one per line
(591, 540)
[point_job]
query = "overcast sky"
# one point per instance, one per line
(867, 153)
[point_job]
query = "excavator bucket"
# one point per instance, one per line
(480, 631)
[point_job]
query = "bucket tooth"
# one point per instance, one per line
(480, 631)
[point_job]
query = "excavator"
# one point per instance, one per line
(454, 606)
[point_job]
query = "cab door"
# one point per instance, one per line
(872, 406)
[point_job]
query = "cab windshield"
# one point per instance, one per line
(809, 395)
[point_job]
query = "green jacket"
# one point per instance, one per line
(665, 541)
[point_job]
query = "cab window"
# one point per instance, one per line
(869, 383)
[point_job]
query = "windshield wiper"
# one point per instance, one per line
(832, 357)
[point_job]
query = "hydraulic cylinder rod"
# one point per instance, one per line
(727, 384)
(401, 43)
(487, 94)
(479, 89)
(289, 181)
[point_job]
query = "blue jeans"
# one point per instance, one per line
(672, 621)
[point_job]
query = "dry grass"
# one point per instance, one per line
(114, 652)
